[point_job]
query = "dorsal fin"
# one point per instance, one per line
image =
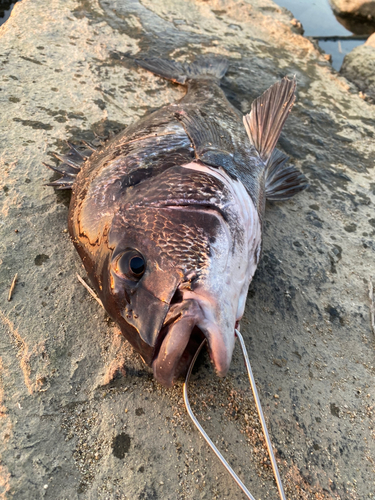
(207, 66)
(267, 116)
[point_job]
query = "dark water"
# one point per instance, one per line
(318, 19)
(5, 10)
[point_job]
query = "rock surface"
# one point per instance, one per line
(370, 42)
(359, 67)
(359, 8)
(80, 415)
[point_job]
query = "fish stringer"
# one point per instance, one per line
(261, 417)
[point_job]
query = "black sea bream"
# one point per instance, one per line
(167, 216)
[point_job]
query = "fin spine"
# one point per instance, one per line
(70, 165)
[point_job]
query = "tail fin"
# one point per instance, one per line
(267, 116)
(182, 72)
(70, 166)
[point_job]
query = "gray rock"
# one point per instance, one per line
(359, 8)
(359, 67)
(80, 416)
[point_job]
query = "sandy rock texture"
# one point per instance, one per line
(360, 8)
(80, 415)
(359, 67)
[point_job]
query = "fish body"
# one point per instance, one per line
(167, 216)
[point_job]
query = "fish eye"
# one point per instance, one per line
(137, 265)
(130, 264)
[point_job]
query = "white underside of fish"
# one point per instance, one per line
(217, 303)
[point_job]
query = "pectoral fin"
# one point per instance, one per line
(263, 125)
(267, 116)
(283, 181)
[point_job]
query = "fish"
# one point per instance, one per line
(168, 215)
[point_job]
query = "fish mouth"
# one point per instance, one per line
(184, 329)
(168, 368)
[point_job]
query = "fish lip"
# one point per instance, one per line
(173, 355)
(168, 322)
(184, 329)
(183, 358)
(171, 317)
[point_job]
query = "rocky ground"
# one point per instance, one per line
(359, 67)
(364, 9)
(80, 415)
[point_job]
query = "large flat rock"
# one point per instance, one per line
(81, 417)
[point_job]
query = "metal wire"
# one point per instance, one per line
(203, 432)
(260, 413)
(261, 417)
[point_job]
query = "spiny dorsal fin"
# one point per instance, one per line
(282, 182)
(182, 72)
(267, 116)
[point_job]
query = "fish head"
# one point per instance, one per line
(174, 271)
(159, 259)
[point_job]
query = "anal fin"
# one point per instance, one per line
(283, 182)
